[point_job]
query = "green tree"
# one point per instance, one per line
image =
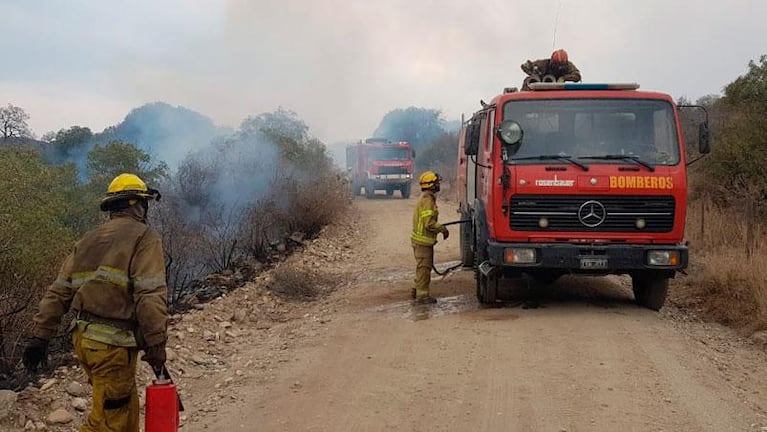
(70, 142)
(34, 237)
(419, 126)
(735, 169)
(117, 157)
(284, 129)
(13, 122)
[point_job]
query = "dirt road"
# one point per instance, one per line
(587, 359)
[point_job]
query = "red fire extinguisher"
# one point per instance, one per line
(162, 404)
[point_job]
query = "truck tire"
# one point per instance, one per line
(357, 189)
(369, 190)
(389, 192)
(650, 290)
(405, 191)
(487, 286)
(467, 254)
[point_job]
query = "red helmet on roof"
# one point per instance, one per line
(559, 57)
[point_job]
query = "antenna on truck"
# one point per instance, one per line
(556, 24)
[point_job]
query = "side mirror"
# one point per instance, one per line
(704, 139)
(471, 139)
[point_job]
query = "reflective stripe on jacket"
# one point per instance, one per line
(425, 225)
(105, 334)
(116, 271)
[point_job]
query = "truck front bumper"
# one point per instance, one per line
(589, 258)
(389, 179)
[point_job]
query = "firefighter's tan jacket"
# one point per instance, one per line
(117, 273)
(425, 225)
(543, 67)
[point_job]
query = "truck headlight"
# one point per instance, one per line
(519, 256)
(663, 258)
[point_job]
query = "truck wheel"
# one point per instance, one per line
(356, 189)
(487, 286)
(369, 190)
(467, 255)
(405, 191)
(650, 290)
(389, 192)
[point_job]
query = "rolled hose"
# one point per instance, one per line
(531, 79)
(549, 79)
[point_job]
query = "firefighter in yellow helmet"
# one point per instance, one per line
(114, 280)
(424, 236)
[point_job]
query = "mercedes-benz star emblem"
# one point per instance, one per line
(592, 213)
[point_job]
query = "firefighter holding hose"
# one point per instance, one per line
(424, 236)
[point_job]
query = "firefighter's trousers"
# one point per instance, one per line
(424, 259)
(112, 372)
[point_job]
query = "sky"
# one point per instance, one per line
(341, 65)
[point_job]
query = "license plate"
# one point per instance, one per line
(593, 263)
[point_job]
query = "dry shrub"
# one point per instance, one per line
(315, 203)
(296, 282)
(727, 277)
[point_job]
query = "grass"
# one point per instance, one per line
(727, 279)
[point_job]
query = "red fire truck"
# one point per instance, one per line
(379, 164)
(575, 179)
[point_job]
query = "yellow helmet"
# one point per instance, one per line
(429, 179)
(126, 187)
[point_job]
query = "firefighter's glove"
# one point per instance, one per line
(445, 233)
(527, 67)
(35, 352)
(155, 355)
(560, 79)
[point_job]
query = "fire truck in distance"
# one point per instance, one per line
(575, 179)
(379, 164)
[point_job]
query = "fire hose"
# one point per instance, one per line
(449, 269)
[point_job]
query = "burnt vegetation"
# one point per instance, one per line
(229, 208)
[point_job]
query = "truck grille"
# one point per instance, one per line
(592, 213)
(392, 170)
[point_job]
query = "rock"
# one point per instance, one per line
(170, 355)
(227, 272)
(190, 329)
(760, 338)
(208, 335)
(225, 324)
(239, 315)
(60, 416)
(199, 360)
(75, 389)
(48, 384)
(7, 402)
(29, 425)
(80, 404)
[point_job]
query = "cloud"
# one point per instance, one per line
(343, 64)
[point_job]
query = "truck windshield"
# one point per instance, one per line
(591, 129)
(389, 154)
